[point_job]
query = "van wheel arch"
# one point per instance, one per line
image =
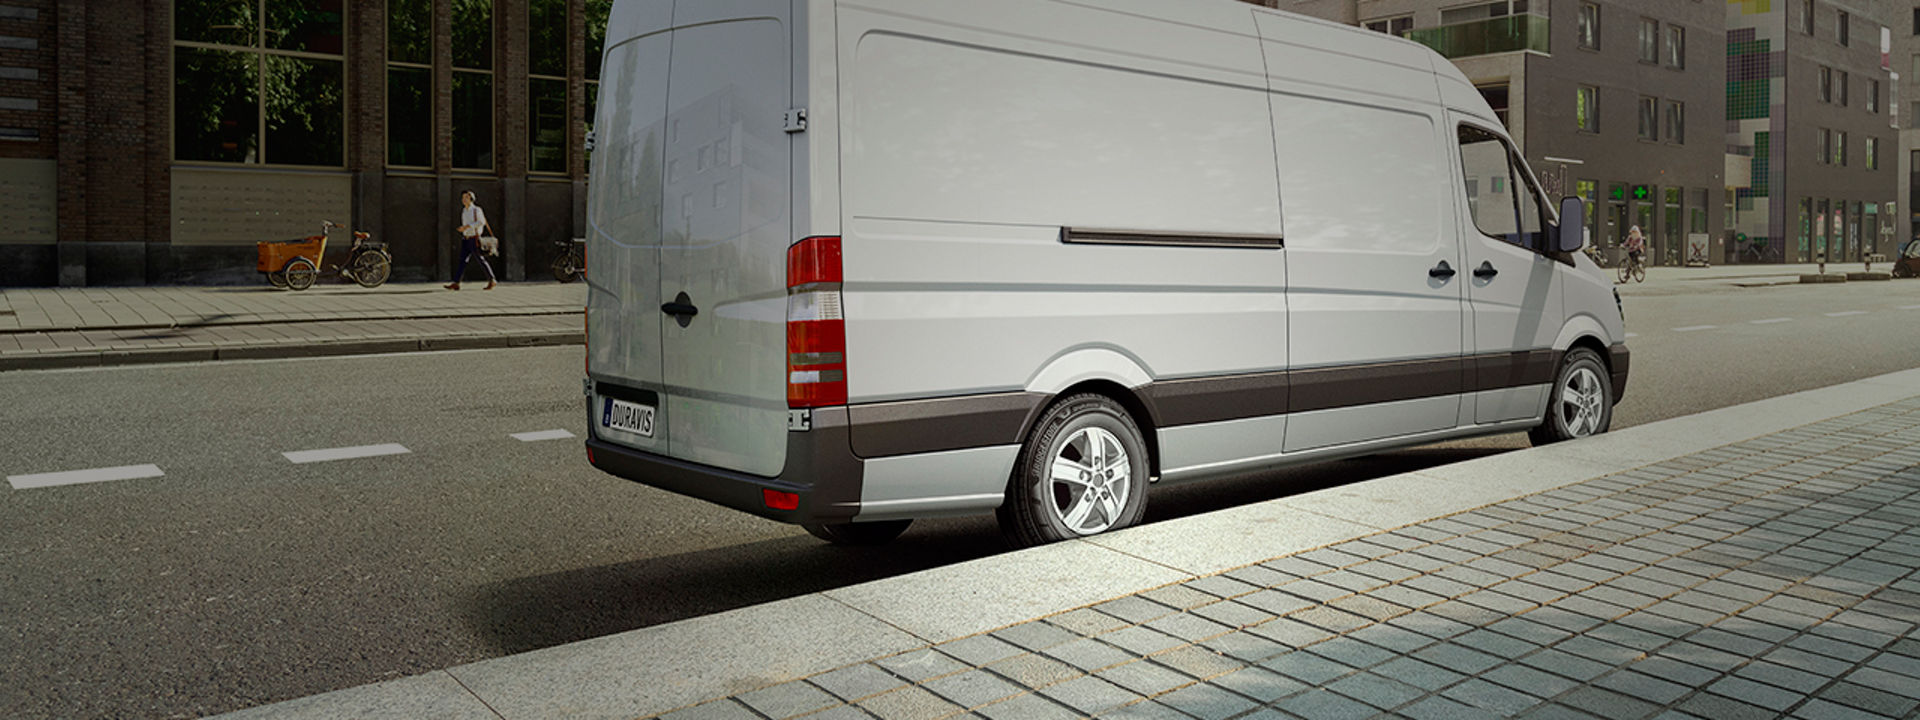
(1138, 409)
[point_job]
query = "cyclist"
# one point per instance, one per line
(1636, 246)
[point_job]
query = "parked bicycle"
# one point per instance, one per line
(570, 260)
(1593, 251)
(295, 264)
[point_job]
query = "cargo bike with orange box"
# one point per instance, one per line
(296, 263)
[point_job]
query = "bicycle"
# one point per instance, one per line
(1633, 268)
(295, 264)
(1593, 252)
(570, 261)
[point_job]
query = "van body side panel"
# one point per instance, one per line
(971, 143)
(1366, 196)
(955, 482)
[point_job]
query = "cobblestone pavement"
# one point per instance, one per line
(1769, 578)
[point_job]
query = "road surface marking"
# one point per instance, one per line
(345, 453)
(542, 435)
(1691, 328)
(1849, 312)
(1633, 335)
(76, 477)
(1770, 321)
(1910, 307)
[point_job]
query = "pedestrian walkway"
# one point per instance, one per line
(83, 327)
(1756, 561)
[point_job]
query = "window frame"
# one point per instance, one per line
(1873, 96)
(386, 99)
(1806, 16)
(1675, 116)
(1387, 23)
(1675, 57)
(1590, 26)
(1872, 153)
(1649, 40)
(1516, 178)
(491, 74)
(258, 50)
(1843, 28)
(566, 96)
(1648, 110)
(1593, 108)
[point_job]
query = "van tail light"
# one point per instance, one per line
(816, 330)
(778, 500)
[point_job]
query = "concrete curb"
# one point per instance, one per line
(296, 321)
(658, 669)
(291, 349)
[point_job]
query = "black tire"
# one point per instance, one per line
(1639, 273)
(277, 279)
(859, 533)
(1580, 403)
(1083, 430)
(301, 273)
(1901, 272)
(563, 269)
(372, 268)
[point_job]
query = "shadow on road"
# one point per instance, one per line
(546, 610)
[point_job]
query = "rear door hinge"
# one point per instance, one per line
(796, 120)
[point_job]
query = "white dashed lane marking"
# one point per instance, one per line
(1770, 321)
(1846, 313)
(1691, 328)
(1633, 335)
(76, 477)
(345, 453)
(542, 435)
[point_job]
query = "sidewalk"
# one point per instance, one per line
(77, 327)
(1754, 275)
(1754, 561)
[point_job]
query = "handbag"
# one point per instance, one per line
(489, 245)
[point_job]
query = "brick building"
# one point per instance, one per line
(154, 141)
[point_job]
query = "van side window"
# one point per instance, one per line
(1501, 201)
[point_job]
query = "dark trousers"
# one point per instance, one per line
(470, 249)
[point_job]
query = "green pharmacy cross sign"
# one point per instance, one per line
(1642, 192)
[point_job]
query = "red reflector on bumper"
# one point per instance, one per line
(781, 500)
(589, 456)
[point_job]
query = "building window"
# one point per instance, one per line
(1649, 40)
(1588, 190)
(1842, 27)
(1395, 26)
(1676, 47)
(1806, 16)
(1676, 123)
(1843, 88)
(473, 84)
(1826, 84)
(1483, 11)
(1873, 96)
(1873, 153)
(1649, 119)
(596, 16)
(547, 86)
(1826, 146)
(1590, 25)
(1586, 108)
(259, 82)
(1498, 98)
(410, 83)
(1840, 149)
(1916, 21)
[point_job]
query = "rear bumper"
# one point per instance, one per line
(1618, 361)
(821, 469)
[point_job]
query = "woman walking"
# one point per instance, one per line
(473, 224)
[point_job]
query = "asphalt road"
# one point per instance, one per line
(240, 577)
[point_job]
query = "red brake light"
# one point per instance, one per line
(816, 329)
(780, 500)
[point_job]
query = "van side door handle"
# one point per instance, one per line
(1442, 271)
(1485, 271)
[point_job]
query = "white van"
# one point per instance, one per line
(856, 262)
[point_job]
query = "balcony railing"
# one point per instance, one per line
(1485, 37)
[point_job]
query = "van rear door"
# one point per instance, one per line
(720, 193)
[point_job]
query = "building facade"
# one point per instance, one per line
(1812, 133)
(155, 141)
(1904, 60)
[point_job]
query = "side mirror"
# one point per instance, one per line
(1573, 213)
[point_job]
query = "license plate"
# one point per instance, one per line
(627, 417)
